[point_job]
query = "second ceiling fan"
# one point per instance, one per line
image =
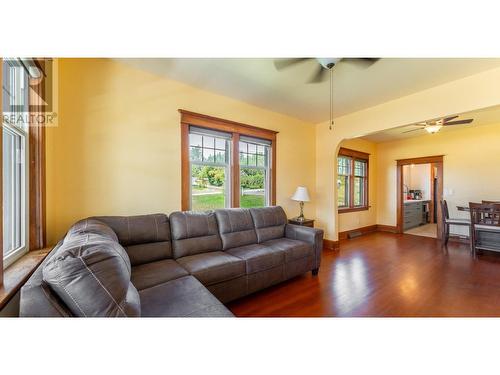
(434, 126)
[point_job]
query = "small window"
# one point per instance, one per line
(344, 167)
(254, 173)
(352, 180)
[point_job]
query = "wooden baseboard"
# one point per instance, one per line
(335, 245)
(387, 228)
(363, 230)
(331, 245)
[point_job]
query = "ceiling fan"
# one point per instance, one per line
(434, 126)
(324, 65)
(324, 68)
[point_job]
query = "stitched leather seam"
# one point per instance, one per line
(128, 230)
(102, 286)
(157, 232)
(69, 294)
(54, 305)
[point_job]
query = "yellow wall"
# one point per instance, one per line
(470, 167)
(116, 150)
(353, 220)
(467, 94)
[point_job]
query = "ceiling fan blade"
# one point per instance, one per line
(408, 131)
(364, 62)
(285, 63)
(320, 75)
(459, 122)
(449, 118)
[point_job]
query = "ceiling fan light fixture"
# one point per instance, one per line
(329, 62)
(432, 129)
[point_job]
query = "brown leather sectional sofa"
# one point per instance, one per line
(185, 265)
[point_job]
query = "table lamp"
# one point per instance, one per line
(301, 195)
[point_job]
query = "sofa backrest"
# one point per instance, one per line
(194, 233)
(236, 227)
(146, 238)
(269, 222)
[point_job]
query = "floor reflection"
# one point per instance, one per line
(350, 284)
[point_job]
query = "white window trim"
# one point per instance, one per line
(15, 254)
(267, 169)
(227, 166)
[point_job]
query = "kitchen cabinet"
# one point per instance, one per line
(415, 213)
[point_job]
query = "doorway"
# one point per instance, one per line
(419, 191)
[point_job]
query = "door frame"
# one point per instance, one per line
(435, 161)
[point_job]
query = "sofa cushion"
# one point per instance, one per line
(213, 267)
(148, 252)
(258, 257)
(151, 274)
(91, 227)
(140, 230)
(293, 249)
(269, 222)
(236, 227)
(93, 278)
(194, 233)
(183, 297)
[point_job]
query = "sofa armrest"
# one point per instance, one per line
(312, 236)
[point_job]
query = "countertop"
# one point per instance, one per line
(406, 201)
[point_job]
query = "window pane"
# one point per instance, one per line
(343, 191)
(260, 150)
(220, 143)
(359, 168)
(252, 160)
(358, 191)
(208, 187)
(196, 154)
(253, 191)
(243, 159)
(208, 142)
(220, 156)
(13, 169)
(261, 161)
(343, 165)
(252, 148)
(243, 147)
(195, 140)
(208, 155)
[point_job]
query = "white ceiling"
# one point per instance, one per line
(488, 116)
(256, 81)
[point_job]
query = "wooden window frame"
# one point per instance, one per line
(356, 156)
(237, 129)
(37, 182)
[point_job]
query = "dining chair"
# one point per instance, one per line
(485, 223)
(447, 221)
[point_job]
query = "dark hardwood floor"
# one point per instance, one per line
(384, 274)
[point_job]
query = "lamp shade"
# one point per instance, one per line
(301, 194)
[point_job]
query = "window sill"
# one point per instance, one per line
(19, 272)
(354, 209)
